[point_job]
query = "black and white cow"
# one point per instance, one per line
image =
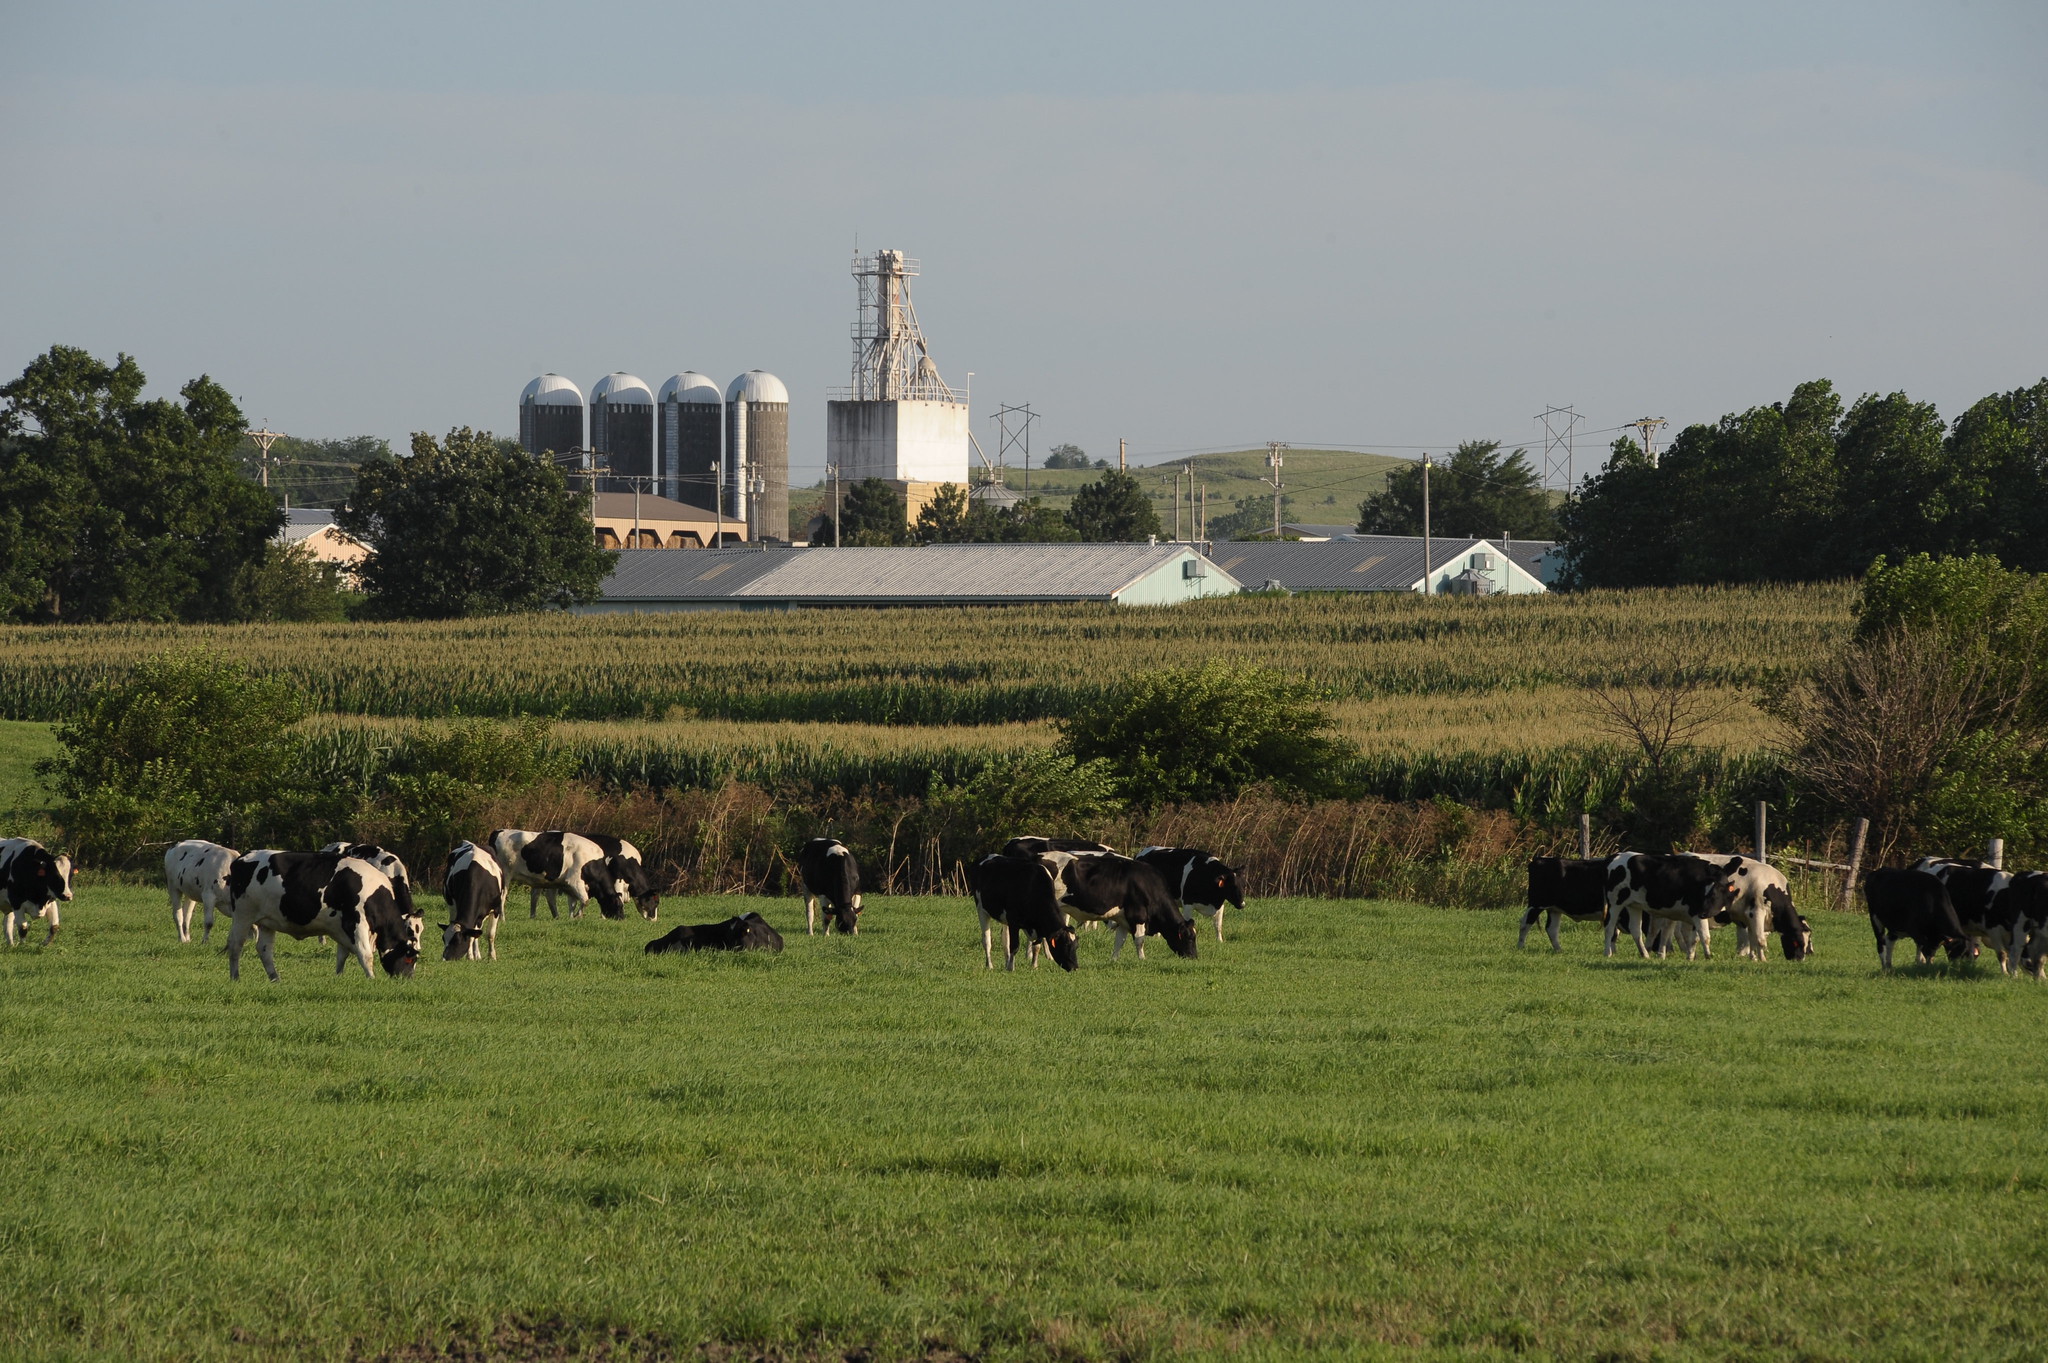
(319, 894)
(1760, 903)
(1676, 887)
(1913, 905)
(555, 861)
(744, 932)
(475, 890)
(33, 882)
(386, 861)
(1564, 887)
(629, 875)
(830, 875)
(1193, 877)
(2030, 901)
(1126, 894)
(1985, 905)
(1018, 893)
(196, 877)
(1038, 847)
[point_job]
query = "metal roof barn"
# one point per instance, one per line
(932, 575)
(1377, 563)
(1538, 558)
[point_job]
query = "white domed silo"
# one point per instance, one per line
(692, 429)
(757, 453)
(550, 416)
(622, 429)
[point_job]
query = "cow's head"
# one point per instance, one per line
(1064, 947)
(1795, 934)
(1222, 881)
(631, 882)
(397, 934)
(62, 866)
(600, 885)
(843, 913)
(455, 940)
(1180, 935)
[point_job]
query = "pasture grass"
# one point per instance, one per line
(1352, 1130)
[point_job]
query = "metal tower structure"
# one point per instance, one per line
(891, 362)
(1013, 432)
(1559, 427)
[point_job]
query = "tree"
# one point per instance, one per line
(953, 517)
(471, 526)
(1113, 508)
(1180, 734)
(1248, 518)
(113, 508)
(871, 513)
(1480, 493)
(1067, 457)
(288, 583)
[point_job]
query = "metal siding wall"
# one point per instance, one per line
(625, 431)
(693, 437)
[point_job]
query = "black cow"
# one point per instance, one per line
(1985, 905)
(385, 861)
(1038, 847)
(629, 876)
(1914, 905)
(1127, 894)
(1194, 877)
(2030, 901)
(1564, 888)
(318, 894)
(748, 932)
(556, 861)
(475, 890)
(829, 873)
(1018, 893)
(33, 882)
(1677, 888)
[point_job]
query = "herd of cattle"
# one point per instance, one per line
(360, 896)
(1675, 900)
(1038, 890)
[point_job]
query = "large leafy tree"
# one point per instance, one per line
(1478, 492)
(471, 525)
(953, 517)
(117, 508)
(1113, 508)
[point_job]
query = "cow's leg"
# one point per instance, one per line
(1138, 936)
(533, 902)
(1884, 948)
(1528, 921)
(265, 953)
(1009, 947)
(1635, 925)
(50, 912)
(1219, 921)
(340, 955)
(1614, 916)
(366, 949)
(238, 936)
(988, 938)
(811, 917)
(1117, 945)
(1555, 920)
(181, 917)
(209, 905)
(490, 934)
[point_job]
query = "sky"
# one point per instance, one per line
(1191, 226)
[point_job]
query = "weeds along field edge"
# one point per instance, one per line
(1355, 1129)
(953, 666)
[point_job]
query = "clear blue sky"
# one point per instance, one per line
(1192, 225)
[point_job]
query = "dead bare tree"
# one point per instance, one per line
(1668, 709)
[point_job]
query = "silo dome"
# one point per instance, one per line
(552, 390)
(690, 386)
(621, 387)
(757, 385)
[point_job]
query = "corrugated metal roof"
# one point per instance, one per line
(613, 505)
(1378, 564)
(933, 574)
(1527, 554)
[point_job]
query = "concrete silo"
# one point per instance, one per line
(622, 429)
(692, 439)
(757, 454)
(550, 416)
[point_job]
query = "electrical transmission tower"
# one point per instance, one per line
(264, 439)
(1649, 425)
(1013, 431)
(1560, 425)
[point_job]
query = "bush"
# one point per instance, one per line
(1181, 734)
(182, 743)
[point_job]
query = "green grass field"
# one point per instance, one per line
(1354, 1129)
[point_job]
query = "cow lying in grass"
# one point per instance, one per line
(744, 932)
(318, 894)
(475, 890)
(33, 882)
(196, 877)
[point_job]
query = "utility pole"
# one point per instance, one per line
(1273, 462)
(1120, 466)
(1425, 525)
(1648, 425)
(1202, 534)
(833, 469)
(1176, 504)
(1188, 466)
(264, 439)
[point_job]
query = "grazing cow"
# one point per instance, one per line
(1564, 888)
(629, 876)
(385, 861)
(1675, 887)
(1038, 847)
(475, 890)
(749, 932)
(319, 894)
(2030, 895)
(557, 861)
(33, 882)
(1915, 905)
(1018, 893)
(196, 876)
(1985, 905)
(1194, 877)
(829, 873)
(1760, 903)
(1127, 894)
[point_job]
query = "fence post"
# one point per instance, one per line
(1855, 860)
(1995, 854)
(1762, 845)
(1585, 836)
